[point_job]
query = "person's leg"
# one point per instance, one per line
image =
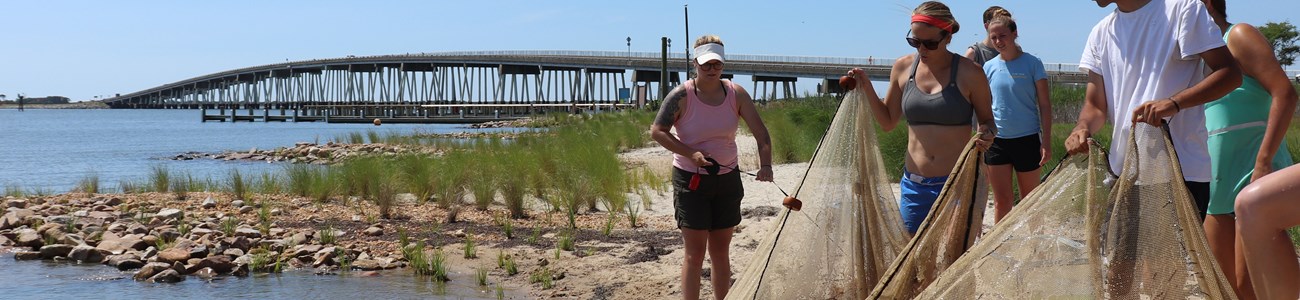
(1028, 181)
(1003, 196)
(1220, 231)
(1265, 209)
(695, 243)
(719, 246)
(1200, 196)
(1241, 280)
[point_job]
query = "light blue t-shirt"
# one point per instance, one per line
(1015, 97)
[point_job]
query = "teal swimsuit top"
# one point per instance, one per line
(947, 107)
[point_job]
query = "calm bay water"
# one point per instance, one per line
(52, 150)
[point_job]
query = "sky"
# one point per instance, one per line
(89, 49)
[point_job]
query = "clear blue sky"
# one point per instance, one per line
(81, 49)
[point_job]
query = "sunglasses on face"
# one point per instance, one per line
(711, 66)
(929, 44)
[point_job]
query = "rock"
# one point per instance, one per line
(460, 233)
(120, 245)
(237, 242)
(113, 201)
(72, 239)
(277, 212)
(200, 231)
(324, 257)
(241, 270)
(299, 238)
(245, 209)
(56, 221)
(248, 232)
(237, 203)
(209, 203)
(199, 251)
(125, 262)
(220, 263)
(205, 274)
(233, 252)
(27, 255)
(29, 238)
(16, 203)
(374, 231)
(56, 250)
(81, 213)
(15, 218)
(5, 242)
(367, 265)
(138, 229)
(174, 255)
(170, 213)
(167, 276)
(87, 254)
(117, 228)
(150, 239)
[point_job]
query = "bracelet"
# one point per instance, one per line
(1177, 108)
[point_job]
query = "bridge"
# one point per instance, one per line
(424, 81)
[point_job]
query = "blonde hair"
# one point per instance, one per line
(935, 9)
(708, 39)
(995, 11)
(1004, 20)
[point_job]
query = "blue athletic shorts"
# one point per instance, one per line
(918, 195)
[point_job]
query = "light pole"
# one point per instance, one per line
(686, 18)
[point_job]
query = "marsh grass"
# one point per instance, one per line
(238, 185)
(471, 251)
(14, 190)
(160, 178)
(264, 217)
(228, 226)
(565, 241)
(542, 276)
(328, 236)
(480, 276)
(270, 184)
(89, 184)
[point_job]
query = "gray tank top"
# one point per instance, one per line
(947, 107)
(983, 53)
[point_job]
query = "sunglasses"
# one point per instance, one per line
(711, 66)
(929, 44)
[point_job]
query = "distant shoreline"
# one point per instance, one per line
(75, 105)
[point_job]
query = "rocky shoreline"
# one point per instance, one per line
(309, 153)
(168, 245)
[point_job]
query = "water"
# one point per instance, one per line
(51, 279)
(51, 150)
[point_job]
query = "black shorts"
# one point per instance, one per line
(1022, 153)
(714, 205)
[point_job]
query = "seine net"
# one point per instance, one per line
(848, 230)
(1076, 238)
(954, 224)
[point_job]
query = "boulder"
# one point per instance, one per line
(199, 251)
(246, 209)
(374, 231)
(220, 263)
(237, 242)
(29, 238)
(174, 255)
(237, 203)
(16, 203)
(209, 203)
(15, 218)
(125, 262)
(72, 239)
(248, 233)
(56, 250)
(205, 274)
(167, 276)
(367, 265)
(119, 245)
(27, 255)
(233, 252)
(170, 213)
(87, 254)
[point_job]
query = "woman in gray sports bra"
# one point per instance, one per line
(937, 91)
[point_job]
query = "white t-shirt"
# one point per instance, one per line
(1150, 54)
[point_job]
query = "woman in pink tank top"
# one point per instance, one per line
(707, 191)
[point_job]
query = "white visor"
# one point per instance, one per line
(705, 53)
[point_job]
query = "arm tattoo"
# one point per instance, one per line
(668, 111)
